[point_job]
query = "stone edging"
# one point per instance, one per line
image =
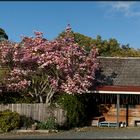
(37, 131)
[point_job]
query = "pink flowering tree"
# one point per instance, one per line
(42, 68)
(6, 59)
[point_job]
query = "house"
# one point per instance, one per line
(118, 86)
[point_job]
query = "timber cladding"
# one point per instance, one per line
(38, 111)
(129, 115)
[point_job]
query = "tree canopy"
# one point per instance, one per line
(3, 34)
(42, 68)
(110, 47)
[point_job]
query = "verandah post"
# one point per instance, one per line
(118, 107)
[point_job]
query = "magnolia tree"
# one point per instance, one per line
(42, 68)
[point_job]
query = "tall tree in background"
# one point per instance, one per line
(86, 42)
(110, 47)
(3, 35)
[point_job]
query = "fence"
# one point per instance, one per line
(38, 111)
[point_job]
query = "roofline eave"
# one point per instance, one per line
(113, 92)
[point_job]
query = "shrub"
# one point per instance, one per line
(9, 120)
(49, 124)
(15, 97)
(26, 121)
(75, 110)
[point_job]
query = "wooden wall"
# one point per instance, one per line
(128, 115)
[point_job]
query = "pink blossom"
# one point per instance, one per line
(69, 68)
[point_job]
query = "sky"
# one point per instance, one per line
(119, 20)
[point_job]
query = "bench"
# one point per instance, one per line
(108, 124)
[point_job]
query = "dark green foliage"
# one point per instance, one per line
(3, 74)
(9, 120)
(110, 47)
(26, 122)
(75, 110)
(15, 97)
(91, 104)
(80, 109)
(49, 124)
(3, 35)
(84, 41)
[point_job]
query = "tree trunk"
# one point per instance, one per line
(40, 99)
(49, 96)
